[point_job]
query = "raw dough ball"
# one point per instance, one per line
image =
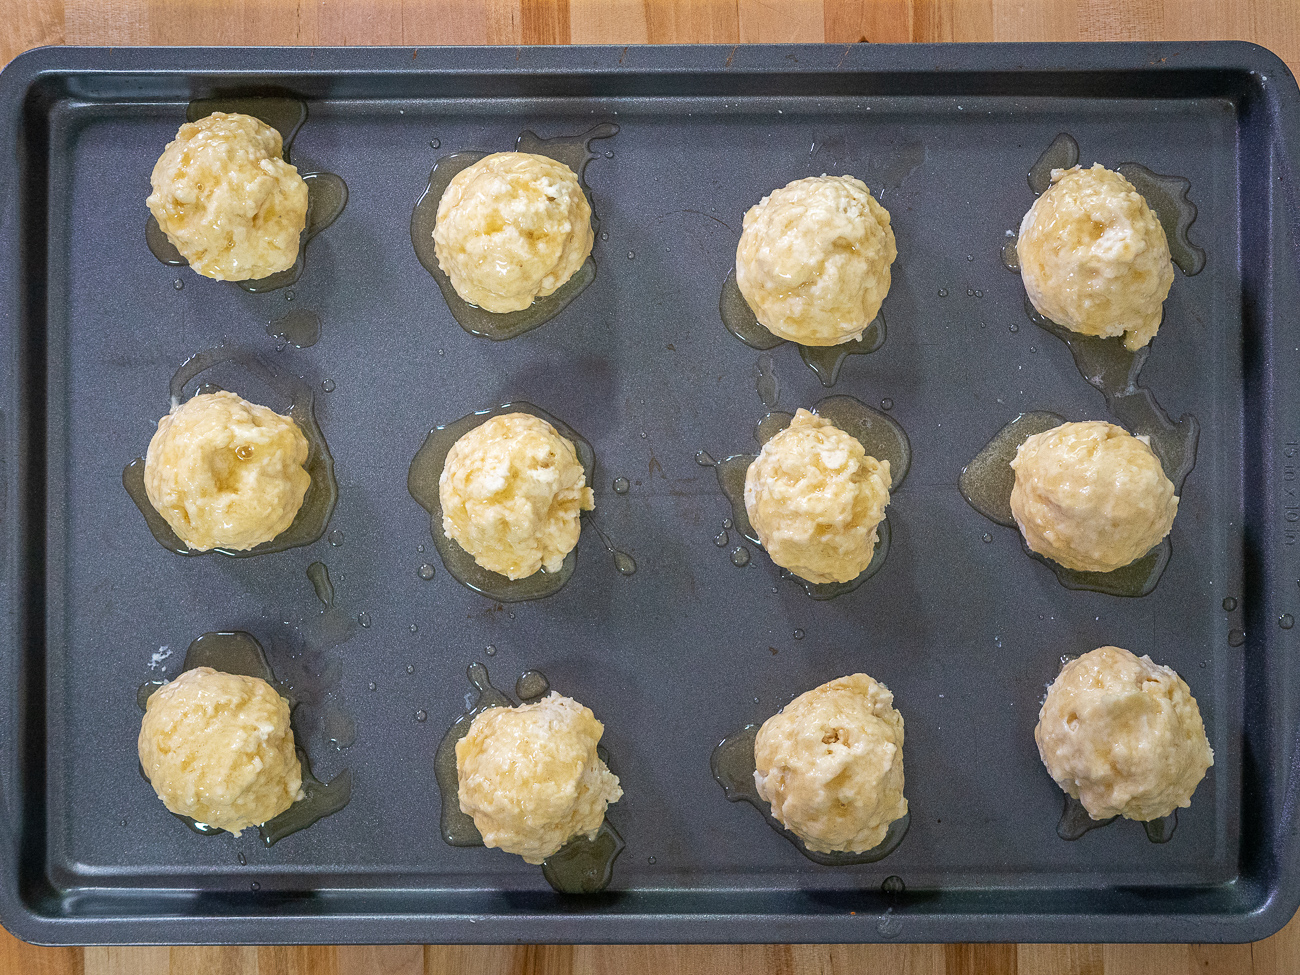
(831, 765)
(813, 260)
(227, 200)
(1094, 258)
(530, 776)
(1123, 736)
(512, 491)
(815, 499)
(218, 748)
(510, 228)
(1091, 496)
(226, 473)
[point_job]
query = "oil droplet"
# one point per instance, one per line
(740, 557)
(893, 885)
(650, 860)
(426, 572)
(421, 716)
(1013, 327)
(532, 685)
(979, 294)
(624, 563)
(373, 686)
(886, 403)
(987, 536)
(631, 255)
(970, 292)
(435, 143)
(604, 235)
(621, 485)
(244, 451)
(415, 628)
(726, 522)
(943, 292)
(255, 886)
(1286, 621)
(1010, 256)
(1063, 153)
(609, 154)
(798, 634)
(1236, 638)
(704, 460)
(721, 539)
(243, 860)
(319, 574)
(363, 619)
(490, 650)
(419, 548)
(289, 295)
(336, 538)
(178, 284)
(328, 385)
(410, 668)
(299, 328)
(1229, 604)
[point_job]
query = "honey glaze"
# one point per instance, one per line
(582, 865)
(881, 437)
(574, 152)
(327, 193)
(986, 484)
(422, 482)
(246, 368)
(824, 360)
(240, 653)
(732, 763)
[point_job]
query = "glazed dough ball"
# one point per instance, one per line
(831, 765)
(530, 776)
(227, 200)
(1090, 496)
(218, 748)
(813, 260)
(512, 491)
(511, 228)
(1123, 736)
(226, 473)
(1094, 258)
(815, 499)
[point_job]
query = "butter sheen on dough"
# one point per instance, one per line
(1123, 735)
(512, 227)
(226, 473)
(1094, 257)
(512, 492)
(531, 778)
(227, 200)
(816, 498)
(813, 260)
(1091, 496)
(218, 748)
(830, 764)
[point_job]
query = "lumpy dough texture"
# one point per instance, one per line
(1090, 496)
(512, 492)
(1123, 736)
(1094, 257)
(830, 764)
(530, 776)
(218, 748)
(511, 228)
(815, 499)
(813, 260)
(226, 473)
(227, 200)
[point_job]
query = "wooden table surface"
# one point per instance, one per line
(1273, 23)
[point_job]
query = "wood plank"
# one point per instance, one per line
(380, 960)
(192, 960)
(297, 960)
(788, 22)
(18, 957)
(868, 21)
(1059, 960)
(607, 22)
(970, 959)
(691, 22)
(127, 961)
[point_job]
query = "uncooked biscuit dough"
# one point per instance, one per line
(511, 228)
(531, 778)
(830, 764)
(1090, 496)
(226, 473)
(218, 748)
(227, 200)
(813, 260)
(1094, 257)
(1123, 736)
(815, 498)
(512, 492)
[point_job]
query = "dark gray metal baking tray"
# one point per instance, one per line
(964, 632)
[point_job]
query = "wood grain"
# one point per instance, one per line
(30, 23)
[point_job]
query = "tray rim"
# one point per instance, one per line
(636, 920)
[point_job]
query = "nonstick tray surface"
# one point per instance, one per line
(965, 632)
